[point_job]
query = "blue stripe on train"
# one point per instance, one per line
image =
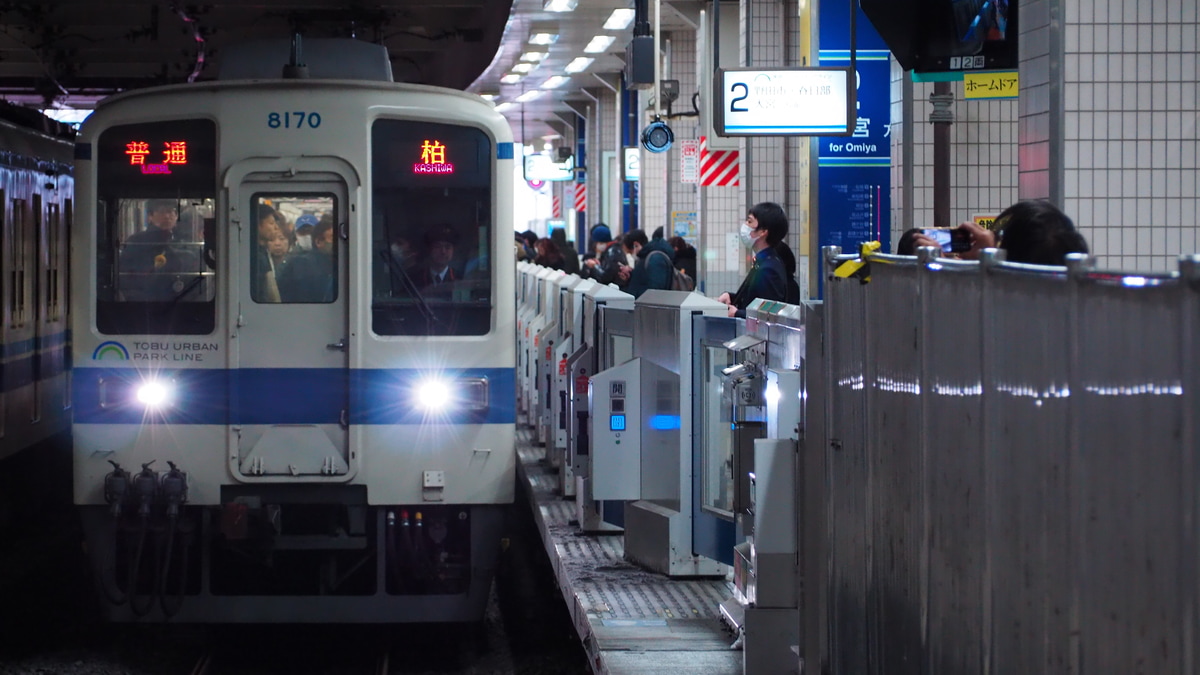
(43, 365)
(281, 396)
(22, 347)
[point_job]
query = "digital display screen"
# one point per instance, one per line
(785, 102)
(433, 158)
(543, 167)
(158, 159)
(618, 405)
(616, 423)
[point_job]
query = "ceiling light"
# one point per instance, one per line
(619, 19)
(523, 67)
(534, 56)
(555, 82)
(543, 38)
(510, 78)
(529, 96)
(489, 97)
(560, 5)
(599, 44)
(504, 106)
(578, 65)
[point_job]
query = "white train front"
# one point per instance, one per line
(305, 379)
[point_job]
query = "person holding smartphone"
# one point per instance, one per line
(1032, 231)
(766, 225)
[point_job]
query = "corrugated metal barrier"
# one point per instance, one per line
(1010, 466)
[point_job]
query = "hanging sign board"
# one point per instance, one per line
(784, 102)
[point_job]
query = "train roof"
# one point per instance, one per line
(281, 83)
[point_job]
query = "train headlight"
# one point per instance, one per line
(434, 394)
(451, 394)
(153, 394)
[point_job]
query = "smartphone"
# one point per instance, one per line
(952, 240)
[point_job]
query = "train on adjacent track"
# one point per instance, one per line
(36, 211)
(293, 384)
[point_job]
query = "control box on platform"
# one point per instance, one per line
(606, 340)
(658, 523)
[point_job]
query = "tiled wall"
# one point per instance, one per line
(601, 137)
(661, 191)
(772, 169)
(983, 155)
(1040, 70)
(1130, 143)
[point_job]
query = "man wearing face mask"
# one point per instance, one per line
(766, 225)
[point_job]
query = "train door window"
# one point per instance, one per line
(17, 270)
(38, 296)
(53, 263)
(431, 229)
(295, 257)
(156, 234)
(65, 267)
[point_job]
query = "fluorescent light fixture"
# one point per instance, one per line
(67, 115)
(578, 65)
(510, 78)
(535, 57)
(560, 5)
(489, 97)
(543, 38)
(523, 67)
(619, 19)
(504, 106)
(529, 96)
(600, 44)
(555, 82)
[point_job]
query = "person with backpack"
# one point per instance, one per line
(655, 268)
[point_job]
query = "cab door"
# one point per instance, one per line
(289, 380)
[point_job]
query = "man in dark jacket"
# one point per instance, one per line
(150, 259)
(652, 270)
(766, 225)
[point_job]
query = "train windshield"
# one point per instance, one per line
(156, 228)
(431, 229)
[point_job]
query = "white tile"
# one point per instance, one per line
(1187, 240)
(1129, 213)
(1144, 239)
(1115, 217)
(1128, 241)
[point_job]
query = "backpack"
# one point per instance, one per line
(680, 281)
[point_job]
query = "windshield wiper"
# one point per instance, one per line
(191, 286)
(411, 287)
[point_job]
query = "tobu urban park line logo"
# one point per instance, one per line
(110, 351)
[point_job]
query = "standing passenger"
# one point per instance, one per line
(766, 225)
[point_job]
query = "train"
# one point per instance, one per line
(294, 381)
(36, 211)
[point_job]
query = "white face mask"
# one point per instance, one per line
(745, 233)
(304, 242)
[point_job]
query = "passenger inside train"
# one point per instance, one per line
(152, 259)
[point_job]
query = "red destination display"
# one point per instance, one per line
(433, 159)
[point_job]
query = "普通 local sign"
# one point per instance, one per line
(784, 102)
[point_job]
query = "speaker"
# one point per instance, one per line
(657, 136)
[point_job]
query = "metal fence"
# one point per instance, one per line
(1010, 463)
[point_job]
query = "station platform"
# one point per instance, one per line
(631, 622)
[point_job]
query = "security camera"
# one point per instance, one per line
(657, 137)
